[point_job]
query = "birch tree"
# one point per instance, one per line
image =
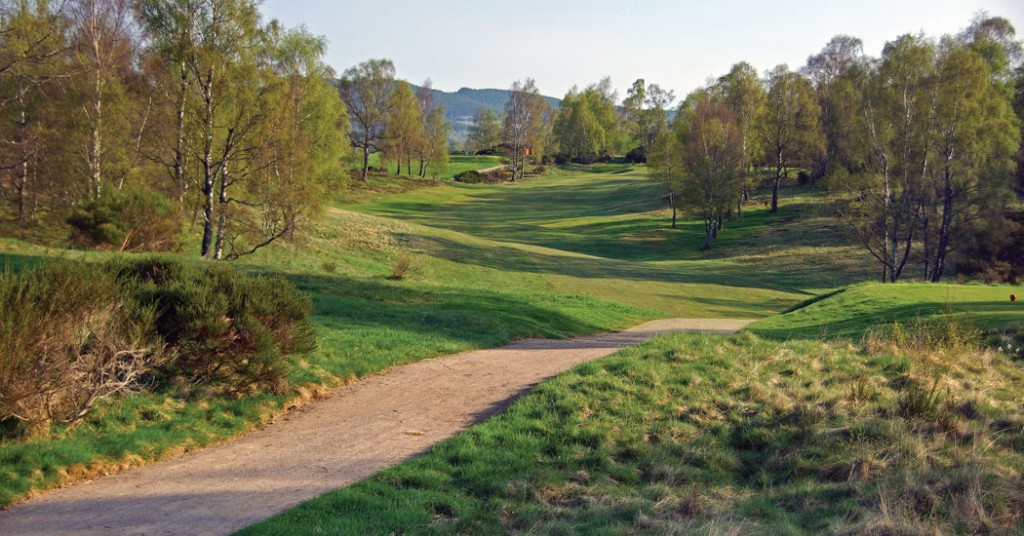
(366, 91)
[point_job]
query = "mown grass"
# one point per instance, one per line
(456, 164)
(694, 434)
(851, 311)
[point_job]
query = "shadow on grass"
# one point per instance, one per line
(983, 314)
(367, 325)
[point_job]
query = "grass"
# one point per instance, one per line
(851, 311)
(693, 434)
(456, 164)
(572, 252)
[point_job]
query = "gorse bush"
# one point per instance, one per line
(229, 331)
(126, 221)
(69, 337)
(74, 333)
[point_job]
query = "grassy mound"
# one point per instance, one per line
(697, 434)
(852, 311)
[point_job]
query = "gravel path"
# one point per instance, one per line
(353, 433)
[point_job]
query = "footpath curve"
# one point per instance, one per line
(353, 433)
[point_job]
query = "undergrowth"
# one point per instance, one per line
(693, 434)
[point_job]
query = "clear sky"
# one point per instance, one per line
(676, 44)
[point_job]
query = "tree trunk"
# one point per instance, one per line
(209, 173)
(672, 203)
(23, 165)
(945, 228)
(222, 212)
(179, 148)
(709, 232)
(366, 157)
(95, 160)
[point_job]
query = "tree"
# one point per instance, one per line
(102, 44)
(743, 90)
(645, 114)
(665, 167)
(32, 37)
(710, 152)
(403, 127)
(305, 141)
(170, 26)
(433, 149)
(837, 72)
(525, 120)
(791, 127)
(485, 132)
(896, 115)
(366, 91)
(976, 136)
(587, 125)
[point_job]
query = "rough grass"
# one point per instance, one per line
(696, 434)
(565, 254)
(850, 312)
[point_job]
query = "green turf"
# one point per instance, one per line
(574, 251)
(456, 164)
(849, 312)
(695, 434)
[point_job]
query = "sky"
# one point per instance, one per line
(678, 45)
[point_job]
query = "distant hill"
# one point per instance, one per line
(463, 104)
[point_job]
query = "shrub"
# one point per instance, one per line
(469, 177)
(69, 337)
(498, 175)
(540, 170)
(228, 330)
(636, 156)
(126, 221)
(406, 266)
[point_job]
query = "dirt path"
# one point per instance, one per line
(490, 169)
(357, 431)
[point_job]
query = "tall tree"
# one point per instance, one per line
(298, 148)
(485, 133)
(31, 37)
(665, 167)
(525, 122)
(588, 125)
(791, 126)
(743, 90)
(897, 118)
(366, 90)
(710, 155)
(403, 127)
(170, 26)
(837, 72)
(645, 114)
(103, 41)
(975, 133)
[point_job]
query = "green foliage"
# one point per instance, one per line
(69, 337)
(700, 434)
(587, 123)
(129, 220)
(229, 330)
(470, 176)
